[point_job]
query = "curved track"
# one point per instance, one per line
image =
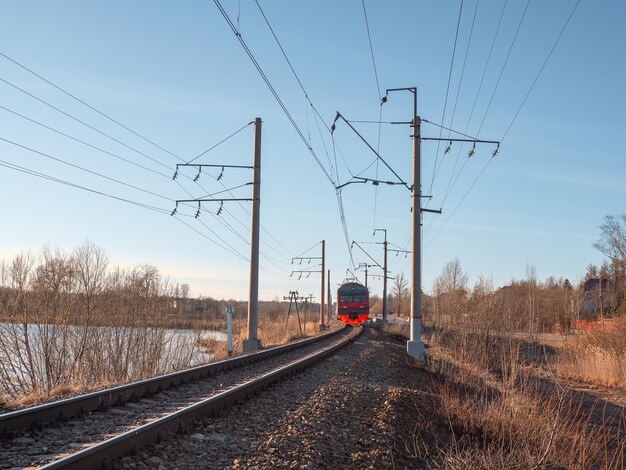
(109, 433)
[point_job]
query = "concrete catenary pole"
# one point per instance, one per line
(252, 343)
(385, 306)
(414, 346)
(323, 293)
(330, 301)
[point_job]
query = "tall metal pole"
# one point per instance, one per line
(330, 301)
(323, 293)
(385, 306)
(385, 282)
(252, 343)
(414, 346)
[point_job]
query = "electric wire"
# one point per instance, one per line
(220, 142)
(380, 113)
(541, 70)
(513, 120)
(506, 61)
(87, 104)
(484, 117)
(97, 130)
(445, 104)
(47, 155)
(469, 120)
(31, 172)
(458, 91)
(84, 143)
(83, 122)
(272, 90)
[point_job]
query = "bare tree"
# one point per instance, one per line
(613, 238)
(399, 291)
(452, 277)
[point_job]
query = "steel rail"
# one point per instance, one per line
(39, 415)
(99, 455)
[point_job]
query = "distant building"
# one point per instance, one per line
(596, 298)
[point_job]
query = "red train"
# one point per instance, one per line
(353, 303)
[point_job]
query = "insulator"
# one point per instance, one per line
(472, 151)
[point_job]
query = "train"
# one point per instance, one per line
(353, 303)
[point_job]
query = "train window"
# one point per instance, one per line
(353, 297)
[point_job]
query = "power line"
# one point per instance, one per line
(458, 91)
(335, 183)
(84, 143)
(87, 105)
(515, 116)
(469, 120)
(47, 155)
(97, 130)
(541, 69)
(221, 142)
(380, 112)
(504, 65)
(28, 171)
(272, 90)
(83, 122)
(369, 37)
(461, 201)
(519, 25)
(445, 104)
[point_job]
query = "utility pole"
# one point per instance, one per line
(415, 346)
(323, 293)
(384, 274)
(308, 272)
(252, 343)
(330, 302)
(365, 266)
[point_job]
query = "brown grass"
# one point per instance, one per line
(500, 415)
(598, 357)
(530, 425)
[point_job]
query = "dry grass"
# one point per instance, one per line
(501, 416)
(598, 357)
(532, 425)
(271, 332)
(398, 330)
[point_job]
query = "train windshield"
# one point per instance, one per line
(353, 297)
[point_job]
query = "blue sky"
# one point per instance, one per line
(175, 73)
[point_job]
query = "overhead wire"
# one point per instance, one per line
(221, 142)
(34, 121)
(272, 89)
(514, 117)
(458, 91)
(495, 89)
(78, 167)
(569, 18)
(82, 122)
(294, 124)
(469, 120)
(506, 61)
(87, 104)
(380, 112)
(105, 134)
(445, 104)
(31, 172)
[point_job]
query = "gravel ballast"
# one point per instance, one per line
(358, 409)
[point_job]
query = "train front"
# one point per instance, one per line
(353, 303)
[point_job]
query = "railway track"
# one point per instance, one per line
(110, 423)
